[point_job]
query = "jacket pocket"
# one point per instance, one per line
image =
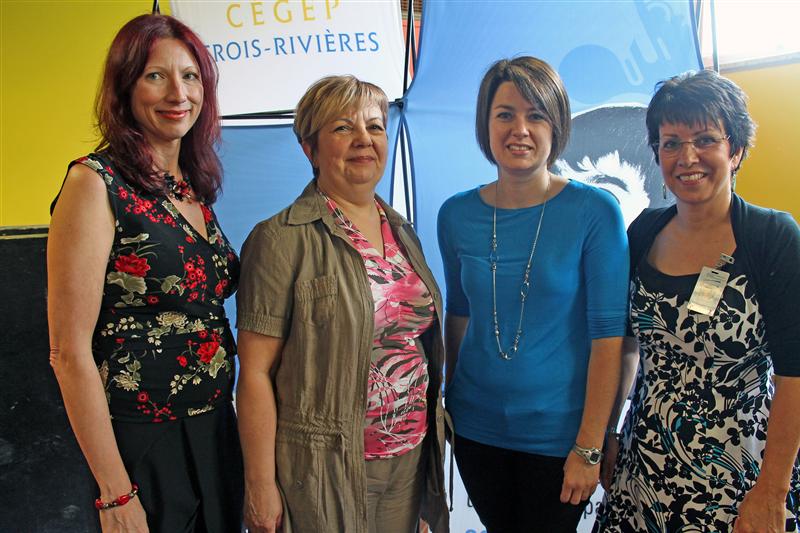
(315, 300)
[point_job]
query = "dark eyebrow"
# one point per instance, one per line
(512, 108)
(610, 180)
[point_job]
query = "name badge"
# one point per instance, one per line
(708, 291)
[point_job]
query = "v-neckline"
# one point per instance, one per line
(197, 234)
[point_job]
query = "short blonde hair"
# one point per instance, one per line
(327, 98)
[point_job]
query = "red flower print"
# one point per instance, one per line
(218, 289)
(152, 299)
(202, 334)
(189, 240)
(142, 397)
(188, 267)
(206, 213)
(193, 296)
(132, 264)
(181, 360)
(168, 220)
(207, 351)
(109, 170)
(122, 193)
(120, 340)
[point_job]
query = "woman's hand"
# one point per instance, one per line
(610, 452)
(761, 512)
(128, 518)
(263, 509)
(580, 480)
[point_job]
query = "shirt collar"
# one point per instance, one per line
(310, 206)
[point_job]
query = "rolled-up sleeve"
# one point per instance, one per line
(456, 301)
(265, 298)
(605, 268)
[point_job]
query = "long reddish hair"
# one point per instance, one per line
(122, 137)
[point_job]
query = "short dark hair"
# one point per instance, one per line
(540, 85)
(121, 135)
(702, 97)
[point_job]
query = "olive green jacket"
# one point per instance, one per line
(303, 281)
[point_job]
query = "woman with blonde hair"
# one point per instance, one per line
(340, 343)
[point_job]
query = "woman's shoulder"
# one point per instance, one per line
(758, 218)
(592, 202)
(462, 200)
(86, 177)
(589, 193)
(272, 226)
(281, 229)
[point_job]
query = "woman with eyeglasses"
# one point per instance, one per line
(711, 439)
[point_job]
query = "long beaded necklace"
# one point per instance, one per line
(526, 284)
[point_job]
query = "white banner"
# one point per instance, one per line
(268, 53)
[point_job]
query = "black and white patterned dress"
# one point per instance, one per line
(694, 438)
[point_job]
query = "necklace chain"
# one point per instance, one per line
(526, 281)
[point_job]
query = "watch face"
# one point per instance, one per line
(594, 457)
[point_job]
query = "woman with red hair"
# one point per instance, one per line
(138, 269)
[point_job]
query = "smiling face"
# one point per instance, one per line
(697, 176)
(520, 136)
(168, 96)
(350, 151)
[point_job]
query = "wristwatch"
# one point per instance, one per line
(592, 456)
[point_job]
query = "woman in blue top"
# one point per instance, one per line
(536, 268)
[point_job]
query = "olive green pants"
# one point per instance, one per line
(394, 492)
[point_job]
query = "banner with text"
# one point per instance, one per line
(268, 53)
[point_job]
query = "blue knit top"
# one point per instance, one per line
(532, 403)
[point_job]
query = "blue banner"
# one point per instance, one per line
(609, 54)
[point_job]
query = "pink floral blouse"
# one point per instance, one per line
(396, 418)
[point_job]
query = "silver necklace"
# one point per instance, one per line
(526, 283)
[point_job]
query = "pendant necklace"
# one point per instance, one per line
(526, 284)
(179, 190)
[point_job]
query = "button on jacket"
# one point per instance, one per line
(303, 281)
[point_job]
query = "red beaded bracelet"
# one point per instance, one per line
(100, 505)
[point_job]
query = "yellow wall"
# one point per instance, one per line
(50, 63)
(769, 176)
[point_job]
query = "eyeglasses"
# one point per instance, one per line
(671, 147)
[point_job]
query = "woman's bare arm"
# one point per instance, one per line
(259, 356)
(78, 247)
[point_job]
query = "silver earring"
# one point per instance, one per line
(664, 190)
(733, 182)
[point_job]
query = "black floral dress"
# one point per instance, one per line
(162, 342)
(694, 438)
